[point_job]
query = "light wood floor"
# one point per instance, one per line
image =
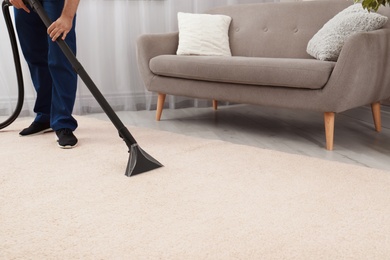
(291, 131)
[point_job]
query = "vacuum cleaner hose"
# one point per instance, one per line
(11, 32)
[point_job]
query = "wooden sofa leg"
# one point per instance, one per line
(329, 129)
(376, 113)
(215, 104)
(160, 105)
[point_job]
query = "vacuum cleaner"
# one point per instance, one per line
(139, 160)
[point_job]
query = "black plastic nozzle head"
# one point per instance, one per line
(140, 161)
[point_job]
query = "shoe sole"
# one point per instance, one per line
(64, 146)
(49, 130)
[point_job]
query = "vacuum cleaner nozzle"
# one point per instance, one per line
(140, 161)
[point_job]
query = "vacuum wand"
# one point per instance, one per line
(139, 160)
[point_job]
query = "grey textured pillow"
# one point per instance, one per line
(327, 43)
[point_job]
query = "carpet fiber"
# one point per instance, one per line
(212, 200)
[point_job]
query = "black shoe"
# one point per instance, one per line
(36, 128)
(66, 138)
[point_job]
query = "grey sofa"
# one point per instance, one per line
(270, 66)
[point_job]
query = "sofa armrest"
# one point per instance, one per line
(152, 45)
(362, 73)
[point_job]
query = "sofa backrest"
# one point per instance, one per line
(278, 29)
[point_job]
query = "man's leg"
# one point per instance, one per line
(64, 81)
(62, 73)
(32, 38)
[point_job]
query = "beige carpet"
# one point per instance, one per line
(212, 200)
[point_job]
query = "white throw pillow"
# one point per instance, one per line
(327, 43)
(203, 34)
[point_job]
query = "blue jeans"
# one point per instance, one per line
(53, 77)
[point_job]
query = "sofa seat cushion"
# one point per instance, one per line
(283, 72)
